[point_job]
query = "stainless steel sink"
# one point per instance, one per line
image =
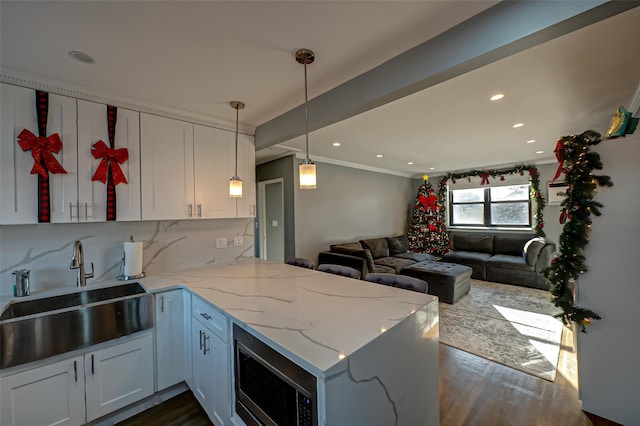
(39, 328)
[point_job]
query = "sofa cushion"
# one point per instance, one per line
(383, 269)
(506, 261)
(509, 243)
(416, 257)
(351, 245)
(377, 246)
(481, 243)
(532, 248)
(363, 253)
(397, 263)
(399, 244)
(466, 257)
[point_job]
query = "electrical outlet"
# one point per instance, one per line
(221, 243)
(238, 241)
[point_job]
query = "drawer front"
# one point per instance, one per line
(211, 317)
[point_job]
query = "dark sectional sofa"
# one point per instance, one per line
(503, 257)
(499, 257)
(380, 255)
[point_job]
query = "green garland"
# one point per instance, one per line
(577, 161)
(484, 175)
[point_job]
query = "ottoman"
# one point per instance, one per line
(448, 281)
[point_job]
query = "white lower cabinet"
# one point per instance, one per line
(48, 395)
(211, 378)
(118, 376)
(55, 394)
(173, 355)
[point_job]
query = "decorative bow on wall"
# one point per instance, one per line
(110, 157)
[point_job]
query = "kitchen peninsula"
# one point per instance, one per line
(373, 348)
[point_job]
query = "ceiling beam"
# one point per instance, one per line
(507, 28)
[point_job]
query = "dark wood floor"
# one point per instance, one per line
(473, 391)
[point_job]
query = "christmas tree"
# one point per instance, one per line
(427, 232)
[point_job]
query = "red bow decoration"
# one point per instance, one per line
(111, 156)
(428, 202)
(559, 151)
(485, 178)
(41, 150)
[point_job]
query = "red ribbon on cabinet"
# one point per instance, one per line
(42, 149)
(109, 171)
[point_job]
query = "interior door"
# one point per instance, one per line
(272, 220)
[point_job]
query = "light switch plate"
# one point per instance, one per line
(238, 241)
(221, 243)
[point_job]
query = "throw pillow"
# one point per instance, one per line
(532, 249)
(360, 252)
(473, 242)
(377, 246)
(397, 245)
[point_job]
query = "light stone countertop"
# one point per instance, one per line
(314, 317)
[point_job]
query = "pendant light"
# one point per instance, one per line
(307, 168)
(235, 184)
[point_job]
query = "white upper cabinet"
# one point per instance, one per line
(18, 187)
(92, 195)
(167, 168)
(247, 172)
(214, 153)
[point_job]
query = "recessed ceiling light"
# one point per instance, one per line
(497, 97)
(531, 141)
(515, 126)
(432, 168)
(379, 155)
(410, 163)
(539, 152)
(82, 57)
(336, 144)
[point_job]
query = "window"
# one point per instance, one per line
(497, 206)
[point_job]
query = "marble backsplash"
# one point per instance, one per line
(46, 249)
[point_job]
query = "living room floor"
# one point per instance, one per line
(476, 391)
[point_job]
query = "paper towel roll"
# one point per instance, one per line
(133, 259)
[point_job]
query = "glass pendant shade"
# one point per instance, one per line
(235, 187)
(307, 175)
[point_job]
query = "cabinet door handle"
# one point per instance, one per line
(207, 349)
(70, 212)
(253, 209)
(93, 372)
(190, 210)
(199, 210)
(205, 316)
(78, 208)
(201, 342)
(162, 304)
(75, 370)
(86, 214)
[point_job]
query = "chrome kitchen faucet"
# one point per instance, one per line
(77, 262)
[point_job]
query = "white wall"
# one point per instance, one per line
(609, 353)
(349, 205)
(46, 249)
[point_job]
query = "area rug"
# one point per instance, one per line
(508, 324)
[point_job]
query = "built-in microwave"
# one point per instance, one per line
(271, 389)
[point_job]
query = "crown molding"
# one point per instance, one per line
(37, 82)
(302, 156)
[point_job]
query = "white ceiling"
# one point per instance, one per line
(195, 57)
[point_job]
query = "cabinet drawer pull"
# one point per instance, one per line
(75, 370)
(190, 210)
(199, 210)
(205, 316)
(201, 342)
(207, 349)
(92, 369)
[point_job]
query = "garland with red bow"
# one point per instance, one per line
(42, 148)
(577, 162)
(484, 175)
(109, 171)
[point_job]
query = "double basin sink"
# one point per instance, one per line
(39, 328)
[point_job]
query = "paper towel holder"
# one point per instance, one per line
(122, 277)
